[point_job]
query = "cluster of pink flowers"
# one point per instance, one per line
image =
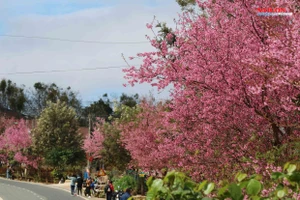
(16, 139)
(234, 76)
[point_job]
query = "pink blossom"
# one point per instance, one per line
(233, 76)
(93, 143)
(149, 26)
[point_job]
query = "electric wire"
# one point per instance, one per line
(69, 40)
(63, 70)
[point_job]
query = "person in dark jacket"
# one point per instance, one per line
(126, 195)
(109, 190)
(79, 185)
(8, 172)
(88, 187)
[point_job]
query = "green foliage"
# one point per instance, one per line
(57, 173)
(127, 114)
(114, 154)
(129, 101)
(100, 108)
(12, 97)
(112, 174)
(62, 157)
(44, 93)
(126, 101)
(164, 31)
(292, 177)
(186, 5)
(177, 185)
(286, 152)
(56, 136)
(125, 182)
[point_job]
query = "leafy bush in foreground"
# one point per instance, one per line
(125, 182)
(177, 186)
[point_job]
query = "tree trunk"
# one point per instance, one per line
(276, 132)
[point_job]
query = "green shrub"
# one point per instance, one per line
(57, 174)
(177, 186)
(114, 174)
(125, 182)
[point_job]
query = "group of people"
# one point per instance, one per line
(77, 182)
(110, 192)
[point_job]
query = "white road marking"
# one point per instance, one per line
(25, 190)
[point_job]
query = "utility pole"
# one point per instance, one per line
(89, 155)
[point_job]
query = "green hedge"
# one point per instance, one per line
(177, 186)
(125, 182)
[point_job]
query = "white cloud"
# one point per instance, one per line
(123, 22)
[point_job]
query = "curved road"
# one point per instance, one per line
(16, 190)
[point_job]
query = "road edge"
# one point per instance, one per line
(41, 184)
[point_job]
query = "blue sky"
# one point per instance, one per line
(101, 20)
(17, 8)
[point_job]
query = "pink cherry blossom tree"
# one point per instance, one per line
(4, 122)
(146, 137)
(235, 78)
(16, 140)
(92, 144)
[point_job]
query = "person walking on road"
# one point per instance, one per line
(9, 172)
(109, 190)
(72, 184)
(79, 185)
(88, 187)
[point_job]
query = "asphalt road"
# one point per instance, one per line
(16, 190)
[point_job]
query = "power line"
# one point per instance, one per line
(63, 70)
(68, 40)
